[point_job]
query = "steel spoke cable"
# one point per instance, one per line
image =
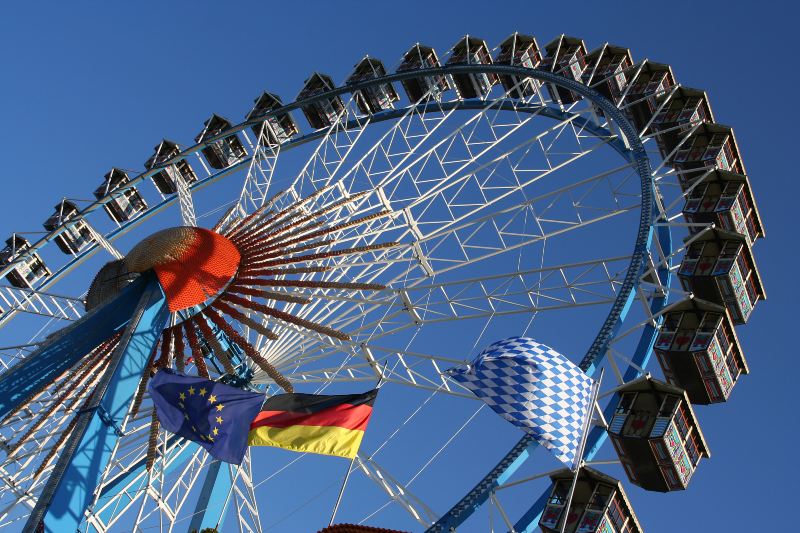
(430, 460)
(407, 420)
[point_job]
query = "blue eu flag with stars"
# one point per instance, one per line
(214, 415)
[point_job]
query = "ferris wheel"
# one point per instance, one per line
(386, 230)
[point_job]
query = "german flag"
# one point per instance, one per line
(314, 423)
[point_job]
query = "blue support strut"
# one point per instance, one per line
(210, 509)
(70, 489)
(69, 345)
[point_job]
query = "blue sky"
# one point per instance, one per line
(90, 85)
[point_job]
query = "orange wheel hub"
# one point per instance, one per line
(192, 264)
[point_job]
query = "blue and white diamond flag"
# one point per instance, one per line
(533, 387)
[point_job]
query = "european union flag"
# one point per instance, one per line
(214, 415)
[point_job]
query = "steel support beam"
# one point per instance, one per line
(70, 489)
(210, 509)
(36, 371)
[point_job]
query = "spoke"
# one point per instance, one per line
(103, 242)
(464, 233)
(400, 494)
(332, 151)
(259, 175)
(185, 200)
(403, 367)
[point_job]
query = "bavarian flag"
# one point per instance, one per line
(314, 423)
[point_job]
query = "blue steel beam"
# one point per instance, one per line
(27, 378)
(70, 488)
(210, 508)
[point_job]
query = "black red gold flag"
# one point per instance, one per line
(314, 423)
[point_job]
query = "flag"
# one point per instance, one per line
(212, 414)
(315, 423)
(533, 387)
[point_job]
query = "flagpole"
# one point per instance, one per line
(352, 462)
(341, 491)
(579, 454)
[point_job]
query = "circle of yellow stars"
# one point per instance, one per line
(212, 399)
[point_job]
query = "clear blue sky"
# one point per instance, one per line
(86, 86)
